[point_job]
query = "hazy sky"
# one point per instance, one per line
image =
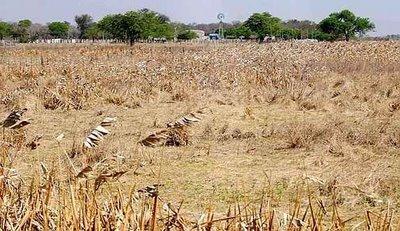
(385, 13)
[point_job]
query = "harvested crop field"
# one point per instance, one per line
(287, 136)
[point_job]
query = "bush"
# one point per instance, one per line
(320, 36)
(187, 35)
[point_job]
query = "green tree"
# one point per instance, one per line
(163, 18)
(320, 36)
(154, 25)
(5, 30)
(134, 25)
(345, 25)
(20, 30)
(289, 33)
(240, 31)
(163, 30)
(304, 26)
(94, 32)
(26, 23)
(58, 29)
(114, 26)
(186, 35)
(84, 22)
(363, 25)
(263, 24)
(179, 28)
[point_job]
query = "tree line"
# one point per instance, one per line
(145, 24)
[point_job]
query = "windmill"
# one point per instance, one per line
(221, 18)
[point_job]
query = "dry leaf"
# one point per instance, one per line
(176, 133)
(93, 139)
(102, 178)
(84, 171)
(14, 120)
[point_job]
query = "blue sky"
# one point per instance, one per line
(385, 13)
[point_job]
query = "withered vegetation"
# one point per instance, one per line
(292, 136)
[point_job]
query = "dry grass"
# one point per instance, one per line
(296, 136)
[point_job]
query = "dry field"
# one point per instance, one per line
(292, 136)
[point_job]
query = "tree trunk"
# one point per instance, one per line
(347, 36)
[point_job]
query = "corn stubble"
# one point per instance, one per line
(86, 190)
(77, 204)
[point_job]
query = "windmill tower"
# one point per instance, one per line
(221, 18)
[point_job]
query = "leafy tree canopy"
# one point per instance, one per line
(240, 31)
(146, 24)
(5, 30)
(305, 27)
(26, 23)
(134, 25)
(59, 29)
(320, 36)
(263, 24)
(345, 25)
(94, 32)
(289, 33)
(84, 22)
(20, 30)
(114, 26)
(187, 35)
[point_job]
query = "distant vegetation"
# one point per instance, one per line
(394, 36)
(147, 25)
(58, 29)
(345, 25)
(186, 35)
